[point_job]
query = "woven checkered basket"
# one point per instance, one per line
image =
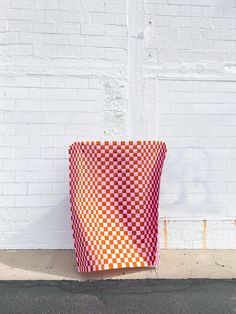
(114, 193)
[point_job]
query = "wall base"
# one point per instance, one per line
(60, 265)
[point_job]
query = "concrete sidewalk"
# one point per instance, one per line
(119, 296)
(61, 265)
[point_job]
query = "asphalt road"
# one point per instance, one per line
(118, 296)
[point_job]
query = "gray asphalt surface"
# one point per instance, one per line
(123, 296)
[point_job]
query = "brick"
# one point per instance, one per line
(52, 129)
(115, 7)
(30, 38)
(19, 50)
(86, 94)
(115, 54)
(40, 165)
(40, 141)
(119, 19)
(83, 131)
(7, 152)
(20, 4)
(101, 18)
(24, 14)
(55, 39)
(53, 15)
(207, 3)
(114, 30)
(15, 140)
(27, 152)
(53, 153)
(78, 17)
(66, 28)
(92, 29)
(190, 11)
(9, 214)
(92, 53)
(52, 93)
(47, 27)
(65, 52)
(26, 176)
(45, 4)
(17, 117)
(19, 26)
(67, 5)
(58, 141)
(232, 187)
(7, 200)
(7, 105)
(109, 42)
(27, 200)
(79, 40)
(2, 117)
(3, 4)
(50, 200)
(39, 188)
(9, 38)
(95, 6)
(15, 188)
(60, 188)
(52, 176)
(94, 83)
(14, 92)
(27, 129)
(160, 9)
(2, 143)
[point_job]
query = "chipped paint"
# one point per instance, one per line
(165, 234)
(204, 231)
(115, 108)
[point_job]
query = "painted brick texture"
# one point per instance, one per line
(118, 69)
(63, 77)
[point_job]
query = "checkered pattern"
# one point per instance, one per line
(114, 192)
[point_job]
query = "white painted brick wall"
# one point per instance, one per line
(118, 69)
